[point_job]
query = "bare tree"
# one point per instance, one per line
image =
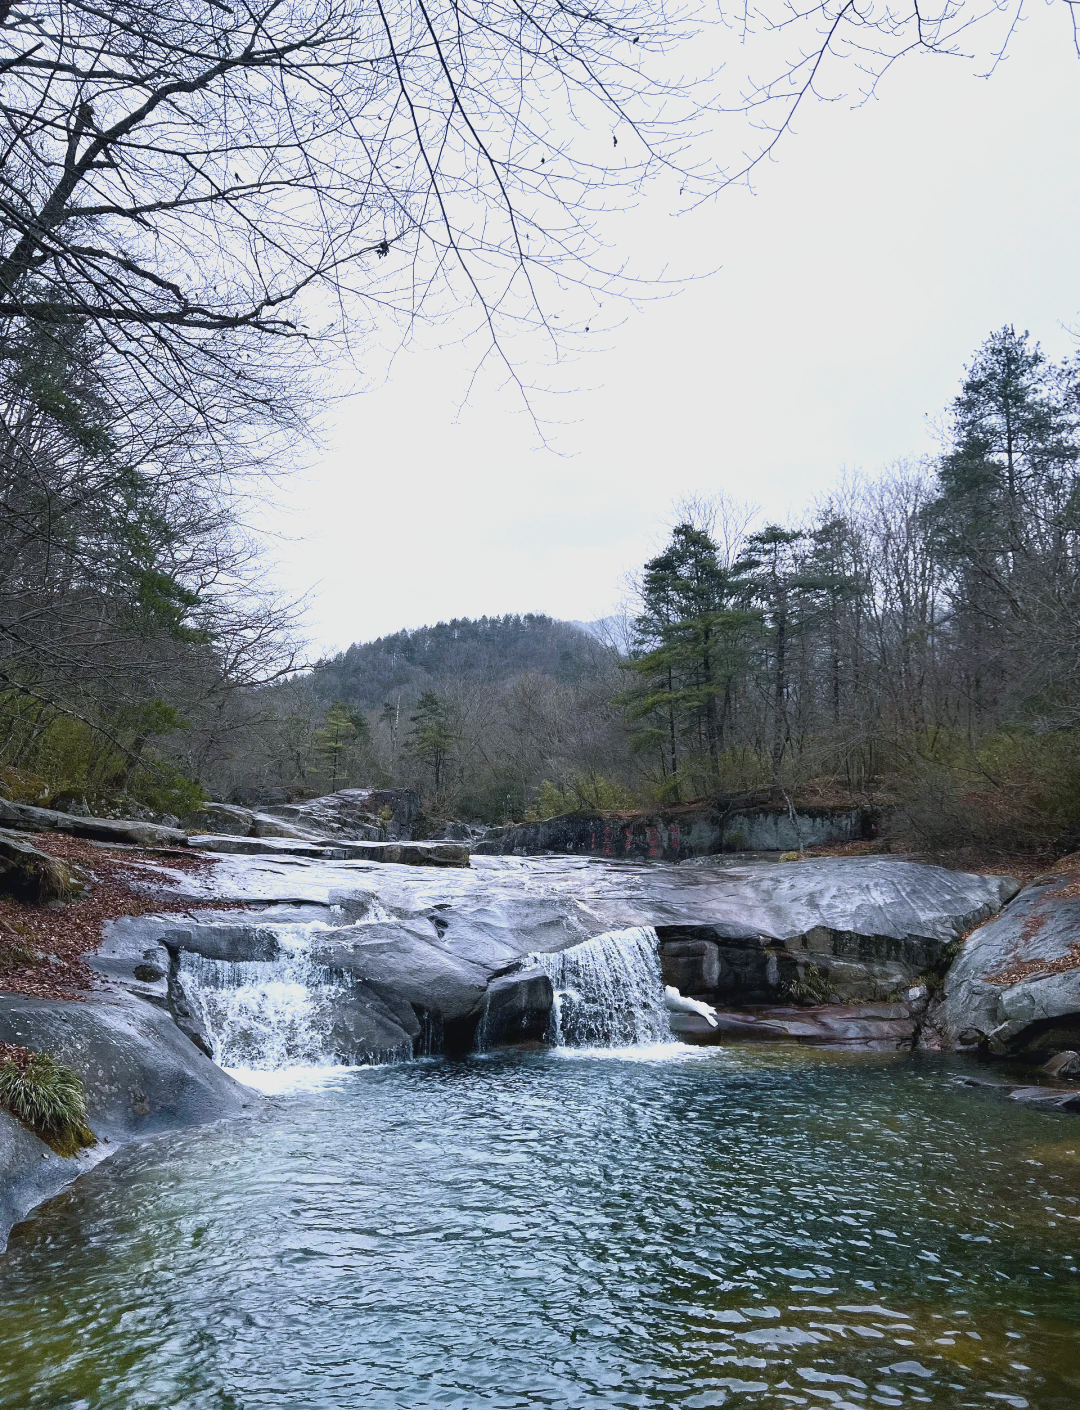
(214, 187)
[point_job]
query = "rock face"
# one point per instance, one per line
(230, 820)
(679, 833)
(517, 1009)
(29, 1173)
(837, 929)
(141, 834)
(1015, 985)
(142, 1076)
(359, 814)
(406, 958)
(884, 1026)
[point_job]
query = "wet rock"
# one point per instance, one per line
(517, 1009)
(1048, 1098)
(221, 818)
(406, 958)
(142, 1076)
(885, 1026)
(140, 834)
(1017, 979)
(132, 955)
(366, 1028)
(850, 930)
(26, 1180)
(1066, 1064)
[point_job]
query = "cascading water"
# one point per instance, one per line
(266, 1015)
(608, 991)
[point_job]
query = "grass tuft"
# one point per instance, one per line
(47, 1097)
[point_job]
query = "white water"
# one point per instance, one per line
(271, 1022)
(267, 1015)
(609, 993)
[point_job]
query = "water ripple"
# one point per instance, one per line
(773, 1228)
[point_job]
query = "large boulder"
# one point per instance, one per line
(231, 820)
(142, 1076)
(1015, 986)
(221, 818)
(517, 1009)
(32, 875)
(358, 814)
(406, 958)
(849, 930)
(140, 834)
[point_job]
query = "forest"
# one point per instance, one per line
(207, 211)
(911, 642)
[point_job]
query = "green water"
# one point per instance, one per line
(744, 1228)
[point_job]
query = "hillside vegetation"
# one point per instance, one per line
(911, 641)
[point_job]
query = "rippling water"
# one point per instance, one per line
(774, 1228)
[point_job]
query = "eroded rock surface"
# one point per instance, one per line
(1015, 986)
(853, 930)
(142, 1076)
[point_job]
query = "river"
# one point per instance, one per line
(657, 1227)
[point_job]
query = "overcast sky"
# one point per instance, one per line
(874, 256)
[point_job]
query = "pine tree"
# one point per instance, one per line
(431, 738)
(688, 643)
(333, 741)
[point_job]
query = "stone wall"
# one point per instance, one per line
(677, 834)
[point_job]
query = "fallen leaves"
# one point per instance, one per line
(42, 947)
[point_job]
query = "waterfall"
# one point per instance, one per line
(266, 1015)
(608, 991)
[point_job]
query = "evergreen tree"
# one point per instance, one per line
(688, 641)
(1008, 478)
(333, 742)
(431, 738)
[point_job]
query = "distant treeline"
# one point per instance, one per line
(490, 649)
(913, 641)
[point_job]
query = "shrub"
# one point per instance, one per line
(584, 793)
(47, 1097)
(1012, 790)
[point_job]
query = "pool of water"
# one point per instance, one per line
(730, 1227)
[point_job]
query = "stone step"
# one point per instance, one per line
(867, 1025)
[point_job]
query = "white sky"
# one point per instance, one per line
(877, 252)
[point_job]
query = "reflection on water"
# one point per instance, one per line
(766, 1228)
